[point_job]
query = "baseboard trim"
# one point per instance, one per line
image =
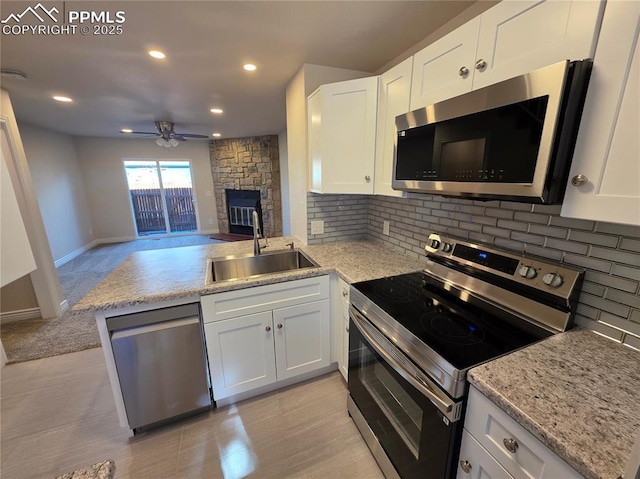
(20, 315)
(74, 254)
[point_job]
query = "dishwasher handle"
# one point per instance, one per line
(152, 328)
(154, 316)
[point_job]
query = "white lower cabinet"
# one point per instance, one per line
(340, 325)
(302, 338)
(477, 463)
(272, 343)
(241, 354)
(492, 439)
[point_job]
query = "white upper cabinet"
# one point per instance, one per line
(444, 69)
(517, 37)
(393, 100)
(342, 136)
(509, 39)
(604, 182)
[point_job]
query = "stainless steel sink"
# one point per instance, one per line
(249, 265)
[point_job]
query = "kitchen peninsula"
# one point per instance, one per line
(573, 392)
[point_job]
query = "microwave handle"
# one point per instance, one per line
(394, 359)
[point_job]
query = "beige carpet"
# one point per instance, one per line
(40, 338)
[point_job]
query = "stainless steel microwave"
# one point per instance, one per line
(512, 141)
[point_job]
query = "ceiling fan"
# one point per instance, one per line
(167, 135)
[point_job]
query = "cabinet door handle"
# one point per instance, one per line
(465, 466)
(345, 293)
(511, 444)
(481, 65)
(579, 180)
(267, 329)
(367, 178)
(463, 72)
(279, 325)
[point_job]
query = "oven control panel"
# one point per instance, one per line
(534, 272)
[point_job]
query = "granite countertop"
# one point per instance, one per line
(577, 392)
(174, 273)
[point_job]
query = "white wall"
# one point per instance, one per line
(101, 162)
(59, 187)
(284, 183)
(304, 82)
(44, 278)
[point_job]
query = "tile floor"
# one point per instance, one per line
(57, 414)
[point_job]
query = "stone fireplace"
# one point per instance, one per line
(248, 164)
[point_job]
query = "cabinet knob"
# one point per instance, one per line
(367, 178)
(347, 329)
(279, 325)
(463, 72)
(345, 293)
(579, 180)
(511, 444)
(481, 65)
(465, 466)
(267, 329)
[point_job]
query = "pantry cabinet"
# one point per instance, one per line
(509, 39)
(260, 336)
(604, 181)
(393, 100)
(341, 122)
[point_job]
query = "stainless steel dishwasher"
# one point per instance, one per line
(161, 364)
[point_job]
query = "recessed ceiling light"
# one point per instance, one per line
(126, 130)
(64, 99)
(13, 74)
(217, 135)
(218, 111)
(249, 67)
(157, 54)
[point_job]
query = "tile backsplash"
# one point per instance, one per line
(610, 253)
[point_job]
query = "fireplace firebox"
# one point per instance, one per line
(240, 207)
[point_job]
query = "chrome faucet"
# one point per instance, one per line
(256, 235)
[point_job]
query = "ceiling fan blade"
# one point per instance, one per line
(192, 135)
(175, 136)
(139, 133)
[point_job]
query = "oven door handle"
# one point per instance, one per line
(400, 364)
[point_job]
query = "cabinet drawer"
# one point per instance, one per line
(231, 304)
(496, 431)
(479, 464)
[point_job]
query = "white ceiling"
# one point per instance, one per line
(115, 84)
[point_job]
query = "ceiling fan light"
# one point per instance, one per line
(163, 142)
(174, 142)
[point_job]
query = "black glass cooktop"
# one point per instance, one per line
(462, 334)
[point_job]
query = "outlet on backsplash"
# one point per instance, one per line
(317, 227)
(385, 228)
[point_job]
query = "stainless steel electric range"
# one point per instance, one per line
(413, 337)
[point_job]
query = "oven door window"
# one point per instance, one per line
(401, 410)
(417, 438)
